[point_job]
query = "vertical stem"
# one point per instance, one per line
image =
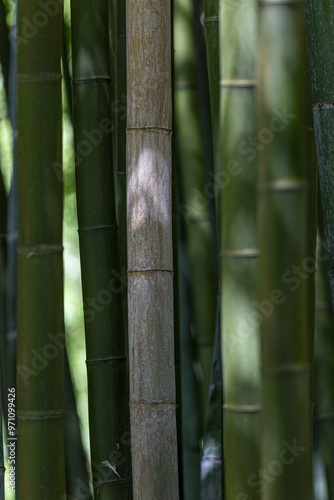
(102, 284)
(150, 252)
(286, 371)
(40, 368)
(239, 250)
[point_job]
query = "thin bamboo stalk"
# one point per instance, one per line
(286, 371)
(189, 391)
(211, 460)
(239, 250)
(75, 459)
(195, 206)
(324, 371)
(99, 253)
(12, 216)
(211, 24)
(3, 244)
(150, 252)
(3, 378)
(120, 137)
(4, 47)
(40, 375)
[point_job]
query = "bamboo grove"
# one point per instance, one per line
(178, 154)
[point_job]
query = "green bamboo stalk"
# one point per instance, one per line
(40, 375)
(66, 73)
(3, 379)
(12, 217)
(239, 249)
(4, 47)
(195, 201)
(3, 244)
(211, 460)
(311, 243)
(189, 394)
(99, 253)
(75, 460)
(286, 371)
(150, 252)
(319, 18)
(204, 107)
(119, 109)
(324, 371)
(211, 24)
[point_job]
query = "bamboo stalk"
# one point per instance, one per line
(211, 24)
(211, 460)
(189, 399)
(4, 47)
(150, 266)
(3, 377)
(75, 459)
(3, 244)
(40, 398)
(99, 254)
(324, 371)
(12, 216)
(120, 138)
(286, 374)
(195, 206)
(239, 251)
(319, 18)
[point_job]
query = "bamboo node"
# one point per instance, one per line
(109, 359)
(283, 186)
(241, 253)
(40, 415)
(264, 3)
(33, 251)
(98, 229)
(286, 370)
(243, 408)
(91, 79)
(152, 128)
(241, 84)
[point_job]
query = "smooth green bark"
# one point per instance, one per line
(324, 370)
(40, 375)
(239, 247)
(102, 282)
(195, 203)
(320, 44)
(286, 371)
(212, 454)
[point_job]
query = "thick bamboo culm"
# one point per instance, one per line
(40, 376)
(239, 249)
(102, 283)
(283, 198)
(150, 266)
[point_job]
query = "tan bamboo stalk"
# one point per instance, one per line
(150, 263)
